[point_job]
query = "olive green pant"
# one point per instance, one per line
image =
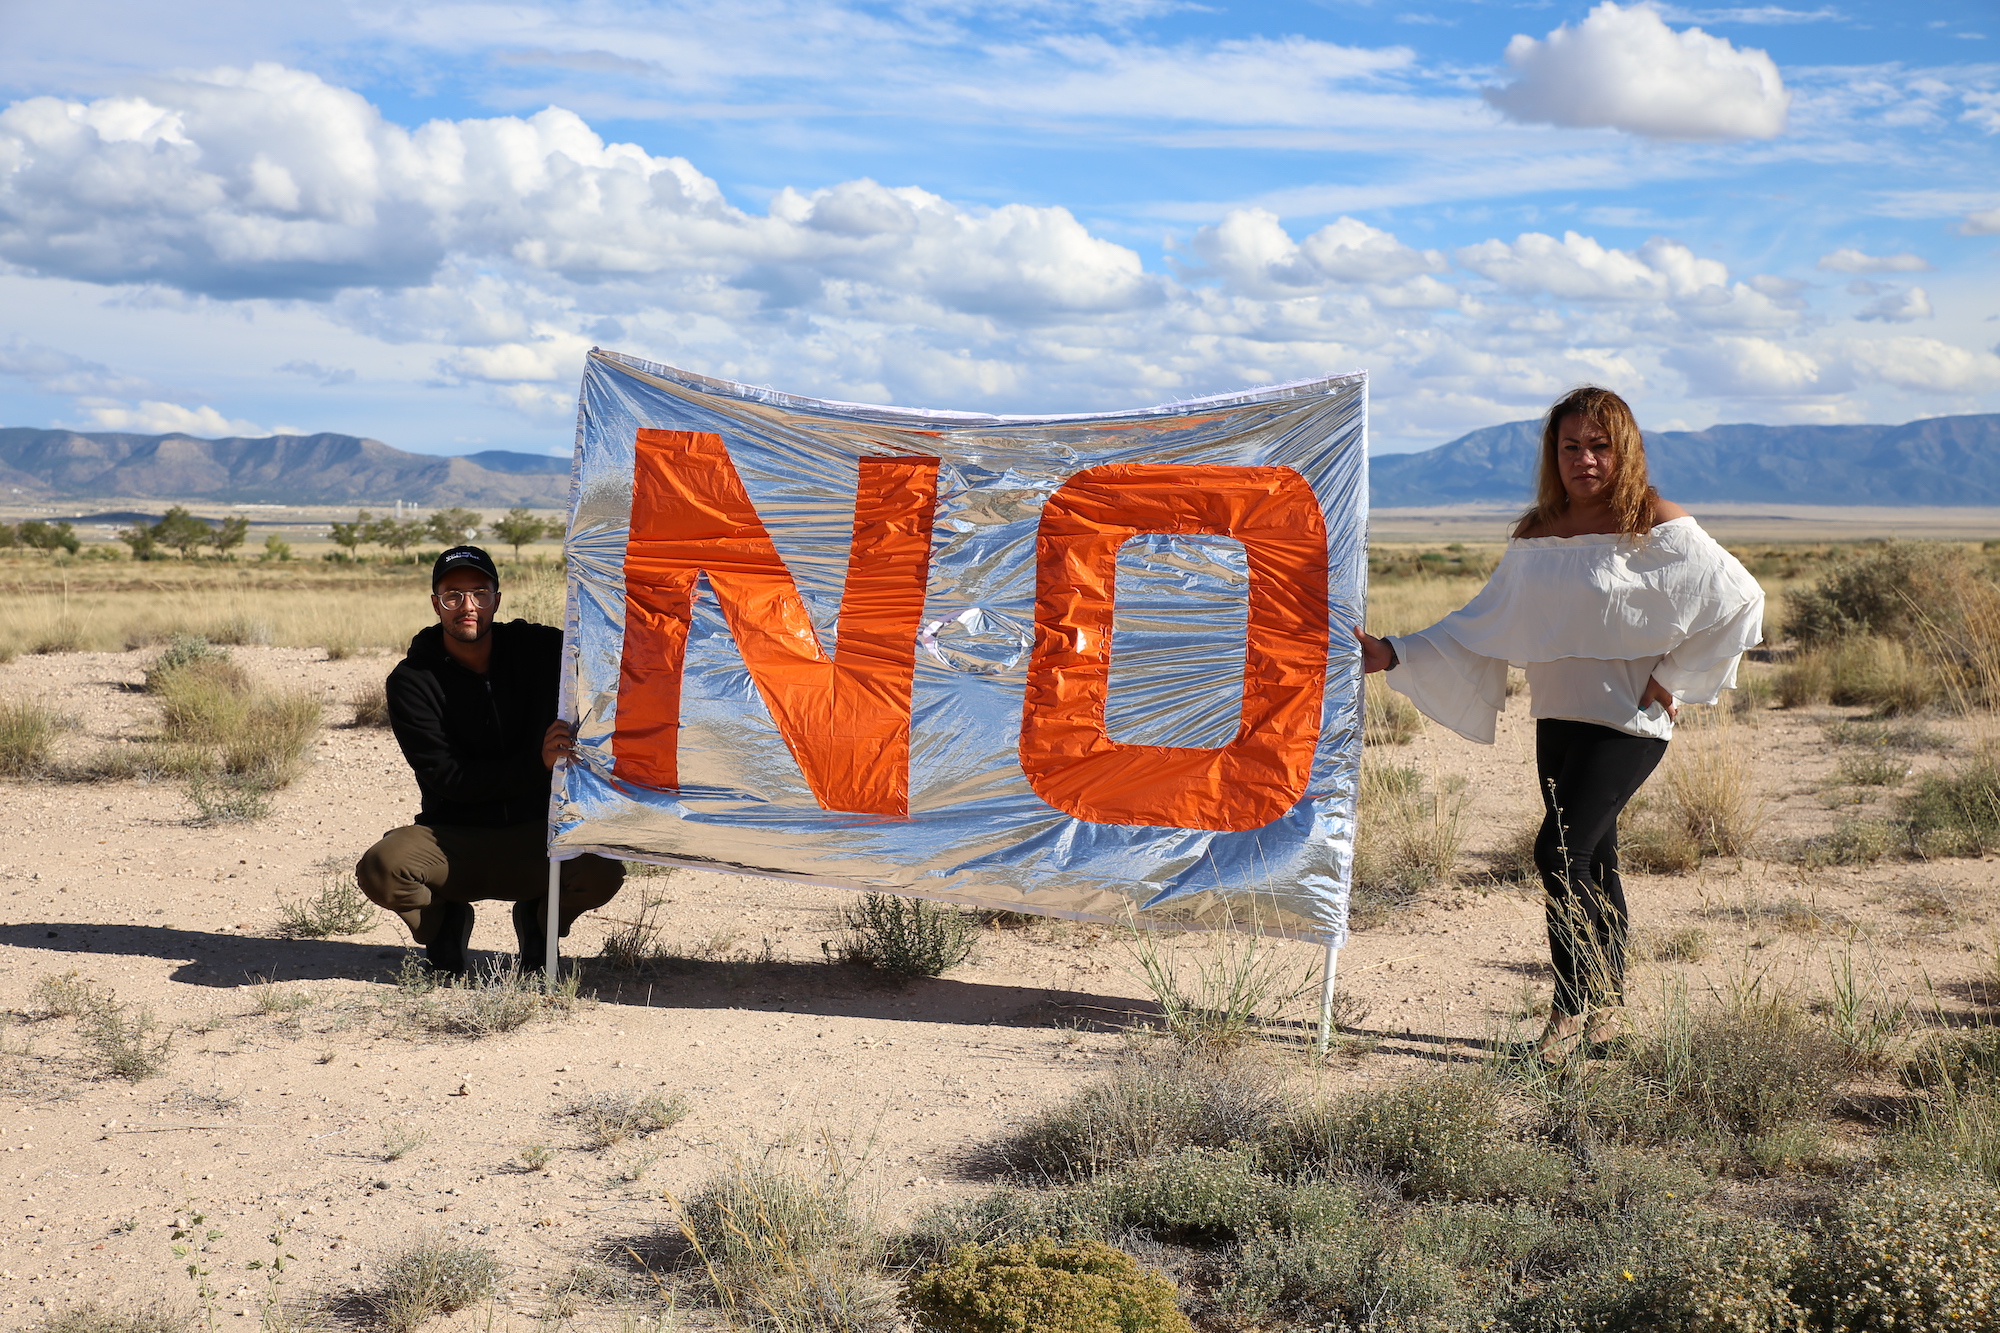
(416, 871)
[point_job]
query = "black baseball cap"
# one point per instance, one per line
(463, 557)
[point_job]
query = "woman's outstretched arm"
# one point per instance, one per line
(1376, 654)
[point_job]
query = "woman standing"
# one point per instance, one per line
(1620, 608)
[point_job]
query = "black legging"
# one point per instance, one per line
(1588, 772)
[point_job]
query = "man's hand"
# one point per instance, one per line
(1657, 693)
(557, 743)
(1375, 655)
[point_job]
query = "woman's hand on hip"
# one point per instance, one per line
(1375, 653)
(1657, 693)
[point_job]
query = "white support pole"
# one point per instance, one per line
(553, 926)
(1326, 998)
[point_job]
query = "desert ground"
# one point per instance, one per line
(303, 1094)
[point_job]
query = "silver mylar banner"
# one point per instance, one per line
(1057, 629)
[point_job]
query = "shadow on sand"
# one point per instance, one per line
(832, 989)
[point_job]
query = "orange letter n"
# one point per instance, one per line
(846, 719)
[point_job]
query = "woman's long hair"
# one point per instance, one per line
(1632, 496)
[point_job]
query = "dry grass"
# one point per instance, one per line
(786, 1250)
(1160, 1100)
(111, 606)
(610, 1118)
(371, 706)
(28, 733)
(1220, 989)
(338, 907)
(1863, 672)
(486, 1002)
(1706, 790)
(1387, 718)
(434, 1276)
(1410, 836)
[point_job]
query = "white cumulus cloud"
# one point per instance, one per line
(1746, 368)
(1252, 251)
(271, 182)
(159, 418)
(1854, 261)
(1579, 268)
(1986, 222)
(1897, 306)
(1924, 365)
(1625, 69)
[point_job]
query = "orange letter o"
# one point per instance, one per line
(1070, 759)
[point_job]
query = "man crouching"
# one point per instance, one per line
(473, 706)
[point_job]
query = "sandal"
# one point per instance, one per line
(1559, 1042)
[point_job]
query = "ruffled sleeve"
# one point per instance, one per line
(1703, 665)
(1449, 683)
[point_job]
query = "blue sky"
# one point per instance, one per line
(410, 221)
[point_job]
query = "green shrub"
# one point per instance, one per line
(1673, 1270)
(1433, 1136)
(1317, 1272)
(1870, 770)
(182, 651)
(1044, 1287)
(1655, 845)
(486, 1002)
(1862, 672)
(1157, 1102)
(998, 1217)
(1852, 842)
(912, 937)
(1881, 736)
(1685, 944)
(1197, 1196)
(1960, 1060)
(1956, 813)
(1407, 840)
(1882, 591)
(1905, 1254)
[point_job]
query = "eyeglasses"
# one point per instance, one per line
(455, 600)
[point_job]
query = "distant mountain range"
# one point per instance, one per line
(279, 469)
(1938, 461)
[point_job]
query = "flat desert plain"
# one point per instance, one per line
(298, 1090)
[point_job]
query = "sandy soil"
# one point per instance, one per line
(264, 1114)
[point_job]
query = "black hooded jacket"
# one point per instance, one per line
(475, 742)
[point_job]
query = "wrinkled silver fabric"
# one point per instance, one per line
(976, 833)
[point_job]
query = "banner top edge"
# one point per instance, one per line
(710, 385)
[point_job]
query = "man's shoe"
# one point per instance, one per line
(446, 952)
(531, 934)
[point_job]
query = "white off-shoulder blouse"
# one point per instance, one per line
(1590, 619)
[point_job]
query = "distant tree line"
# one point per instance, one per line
(37, 535)
(452, 527)
(181, 532)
